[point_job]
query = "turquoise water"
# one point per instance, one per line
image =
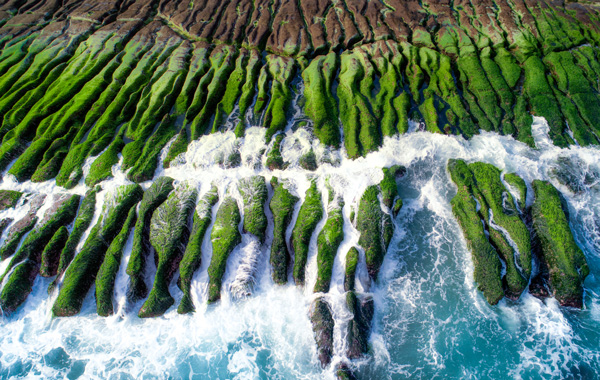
(430, 320)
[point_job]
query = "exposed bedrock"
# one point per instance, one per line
(193, 251)
(225, 236)
(359, 327)
(282, 206)
(153, 197)
(116, 86)
(322, 323)
(500, 242)
(566, 264)
(169, 234)
(81, 274)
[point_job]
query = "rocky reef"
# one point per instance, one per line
(501, 236)
(105, 107)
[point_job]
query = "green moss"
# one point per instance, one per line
(254, 193)
(225, 236)
(274, 159)
(321, 106)
(389, 188)
(282, 70)
(193, 252)
(517, 183)
(311, 212)
(82, 222)
(282, 206)
(487, 271)
(26, 262)
(101, 168)
(169, 234)
(51, 253)
(80, 275)
(107, 274)
(153, 197)
(9, 199)
(374, 227)
(566, 263)
(308, 161)
(328, 242)
(496, 198)
(16, 233)
(350, 272)
(178, 147)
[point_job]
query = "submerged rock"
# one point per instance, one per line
(18, 230)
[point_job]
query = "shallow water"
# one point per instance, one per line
(430, 320)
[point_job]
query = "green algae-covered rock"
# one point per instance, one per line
(566, 263)
(359, 327)
(375, 230)
(518, 184)
(274, 158)
(487, 272)
(508, 233)
(350, 271)
(308, 161)
(20, 228)
(254, 193)
(328, 242)
(107, 274)
(80, 275)
(282, 206)
(82, 222)
(51, 254)
(322, 323)
(9, 199)
(153, 197)
(169, 233)
(311, 212)
(389, 188)
(225, 236)
(193, 252)
(26, 262)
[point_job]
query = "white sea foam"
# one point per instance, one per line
(430, 319)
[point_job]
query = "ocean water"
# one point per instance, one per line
(430, 320)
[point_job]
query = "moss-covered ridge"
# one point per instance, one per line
(80, 275)
(500, 241)
(119, 93)
(169, 234)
